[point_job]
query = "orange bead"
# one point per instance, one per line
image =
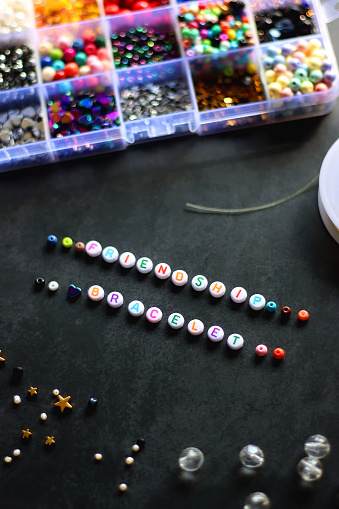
(278, 353)
(303, 315)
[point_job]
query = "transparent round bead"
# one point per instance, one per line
(310, 469)
(257, 500)
(317, 446)
(191, 459)
(251, 456)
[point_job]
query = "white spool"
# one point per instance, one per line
(328, 195)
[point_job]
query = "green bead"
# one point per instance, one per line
(100, 42)
(67, 242)
(245, 27)
(228, 71)
(194, 33)
(316, 76)
(185, 33)
(56, 54)
(216, 29)
(217, 11)
(206, 42)
(81, 58)
(208, 49)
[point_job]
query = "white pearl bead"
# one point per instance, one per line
(16, 452)
(48, 74)
(7, 459)
(17, 399)
(122, 487)
(43, 416)
(56, 392)
(129, 460)
(98, 456)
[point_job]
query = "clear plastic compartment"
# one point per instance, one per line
(18, 65)
(156, 100)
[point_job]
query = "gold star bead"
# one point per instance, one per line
(63, 403)
(33, 391)
(49, 441)
(1, 358)
(26, 433)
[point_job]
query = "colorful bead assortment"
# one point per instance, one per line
(299, 68)
(57, 12)
(113, 7)
(82, 112)
(294, 19)
(155, 99)
(211, 27)
(17, 66)
(21, 126)
(68, 56)
(14, 17)
(144, 45)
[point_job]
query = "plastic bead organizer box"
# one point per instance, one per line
(80, 77)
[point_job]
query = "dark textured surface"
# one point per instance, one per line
(173, 390)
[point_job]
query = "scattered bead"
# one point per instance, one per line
(286, 311)
(43, 416)
(179, 277)
(2, 360)
(136, 308)
(53, 286)
(129, 461)
(92, 405)
(79, 247)
(310, 469)
(73, 291)
(127, 260)
(217, 289)
(26, 433)
(98, 456)
(115, 300)
(141, 443)
(110, 254)
(251, 456)
(17, 66)
(317, 446)
(16, 453)
(135, 448)
(96, 293)
(199, 283)
(49, 440)
(162, 271)
(63, 403)
(154, 315)
(215, 333)
(39, 283)
(278, 353)
(56, 392)
(67, 242)
(122, 487)
(144, 265)
(235, 341)
(7, 459)
(238, 294)
(191, 459)
(261, 350)
(257, 500)
(33, 391)
(16, 399)
(195, 327)
(17, 374)
(52, 240)
(55, 12)
(93, 248)
(176, 321)
(257, 302)
(303, 315)
(271, 306)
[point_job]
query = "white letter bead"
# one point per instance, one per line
(235, 341)
(144, 265)
(115, 299)
(199, 283)
(175, 320)
(257, 301)
(127, 260)
(93, 248)
(136, 308)
(110, 254)
(179, 277)
(154, 315)
(162, 271)
(238, 294)
(195, 327)
(215, 333)
(217, 289)
(96, 293)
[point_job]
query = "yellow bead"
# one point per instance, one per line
(251, 68)
(314, 63)
(231, 34)
(67, 242)
(306, 87)
(314, 44)
(283, 81)
(270, 76)
(319, 53)
(274, 89)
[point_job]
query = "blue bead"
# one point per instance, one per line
(279, 59)
(46, 62)
(272, 51)
(78, 45)
(271, 306)
(52, 240)
(267, 63)
(58, 65)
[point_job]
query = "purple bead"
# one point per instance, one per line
(326, 65)
(287, 50)
(293, 64)
(329, 77)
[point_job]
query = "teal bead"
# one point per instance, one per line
(295, 84)
(271, 306)
(316, 76)
(80, 58)
(189, 16)
(216, 29)
(301, 74)
(58, 65)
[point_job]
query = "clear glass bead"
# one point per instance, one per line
(191, 459)
(310, 469)
(257, 500)
(251, 456)
(317, 446)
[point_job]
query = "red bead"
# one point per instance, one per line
(193, 24)
(303, 315)
(88, 36)
(278, 353)
(71, 70)
(90, 49)
(141, 5)
(112, 9)
(244, 19)
(285, 311)
(60, 75)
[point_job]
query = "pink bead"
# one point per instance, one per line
(300, 56)
(261, 350)
(204, 33)
(64, 42)
(286, 92)
(69, 55)
(302, 46)
(103, 54)
(92, 59)
(223, 37)
(280, 69)
(97, 67)
(107, 65)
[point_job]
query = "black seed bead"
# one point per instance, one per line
(39, 283)
(17, 374)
